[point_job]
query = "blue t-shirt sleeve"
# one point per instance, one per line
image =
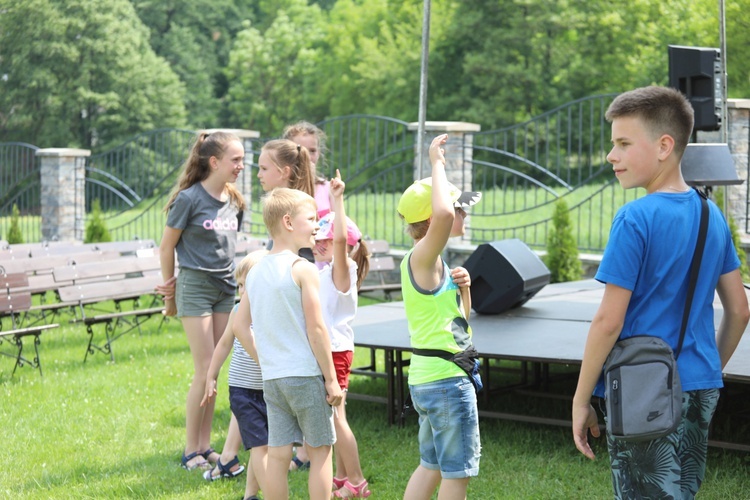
(623, 255)
(731, 260)
(179, 212)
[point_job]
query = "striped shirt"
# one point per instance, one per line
(243, 370)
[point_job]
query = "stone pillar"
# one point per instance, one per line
(459, 151)
(738, 140)
(245, 181)
(63, 203)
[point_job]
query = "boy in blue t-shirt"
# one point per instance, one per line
(645, 270)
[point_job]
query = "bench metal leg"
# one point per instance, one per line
(21, 360)
(106, 349)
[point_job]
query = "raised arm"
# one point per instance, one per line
(429, 248)
(341, 277)
(306, 275)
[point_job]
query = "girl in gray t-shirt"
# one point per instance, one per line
(204, 214)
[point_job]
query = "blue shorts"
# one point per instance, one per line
(249, 408)
(448, 426)
(197, 295)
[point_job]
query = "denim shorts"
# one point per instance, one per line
(297, 407)
(448, 426)
(197, 295)
(249, 408)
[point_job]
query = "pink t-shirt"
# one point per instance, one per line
(323, 198)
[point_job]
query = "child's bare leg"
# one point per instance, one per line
(276, 486)
(453, 488)
(320, 482)
(346, 449)
(231, 447)
(256, 471)
(422, 484)
(199, 332)
(301, 456)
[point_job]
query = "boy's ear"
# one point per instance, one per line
(286, 222)
(666, 146)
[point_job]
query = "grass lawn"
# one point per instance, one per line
(103, 429)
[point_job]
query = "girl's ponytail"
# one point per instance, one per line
(361, 256)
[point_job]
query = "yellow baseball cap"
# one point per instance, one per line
(415, 204)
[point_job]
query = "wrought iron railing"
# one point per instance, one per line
(522, 170)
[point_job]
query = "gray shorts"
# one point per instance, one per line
(297, 407)
(197, 295)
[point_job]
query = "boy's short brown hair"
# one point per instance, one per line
(663, 110)
(280, 202)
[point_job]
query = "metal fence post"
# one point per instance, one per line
(63, 198)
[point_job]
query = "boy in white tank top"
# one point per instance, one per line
(291, 343)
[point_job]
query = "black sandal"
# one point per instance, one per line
(225, 470)
(206, 454)
(186, 458)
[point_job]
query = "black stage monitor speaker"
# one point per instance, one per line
(696, 72)
(504, 274)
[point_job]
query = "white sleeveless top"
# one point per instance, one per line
(278, 321)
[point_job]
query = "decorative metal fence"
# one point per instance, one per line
(522, 170)
(20, 187)
(132, 182)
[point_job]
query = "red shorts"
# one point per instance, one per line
(342, 362)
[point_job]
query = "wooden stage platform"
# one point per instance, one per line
(550, 329)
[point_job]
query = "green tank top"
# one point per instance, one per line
(436, 321)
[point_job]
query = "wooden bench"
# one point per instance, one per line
(381, 265)
(127, 279)
(41, 282)
(24, 250)
(12, 304)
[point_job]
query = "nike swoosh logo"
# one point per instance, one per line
(653, 415)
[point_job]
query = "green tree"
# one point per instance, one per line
(14, 233)
(195, 37)
(96, 229)
(562, 252)
(77, 73)
(271, 71)
(511, 60)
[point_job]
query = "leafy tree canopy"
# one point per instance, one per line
(77, 73)
(82, 73)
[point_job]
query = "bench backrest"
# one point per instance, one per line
(45, 265)
(378, 246)
(128, 247)
(14, 302)
(106, 270)
(88, 293)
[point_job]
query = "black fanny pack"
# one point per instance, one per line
(467, 360)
